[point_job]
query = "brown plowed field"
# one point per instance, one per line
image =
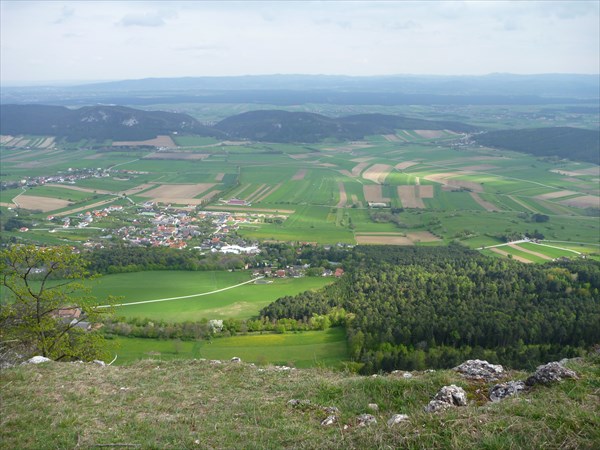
(343, 197)
(557, 194)
(405, 165)
(373, 194)
(299, 175)
(44, 204)
(377, 173)
(586, 201)
(515, 257)
(158, 141)
(409, 198)
(177, 156)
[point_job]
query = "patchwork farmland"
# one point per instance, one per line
(415, 181)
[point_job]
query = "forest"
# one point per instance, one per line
(412, 308)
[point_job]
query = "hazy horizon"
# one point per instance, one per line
(61, 42)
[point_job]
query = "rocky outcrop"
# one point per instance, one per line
(503, 390)
(447, 397)
(477, 369)
(550, 373)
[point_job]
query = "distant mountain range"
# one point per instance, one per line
(497, 89)
(121, 123)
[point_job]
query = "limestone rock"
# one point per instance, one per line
(550, 373)
(295, 403)
(329, 420)
(99, 363)
(480, 370)
(236, 359)
(407, 375)
(397, 418)
(373, 406)
(366, 419)
(36, 360)
(447, 397)
(331, 410)
(504, 390)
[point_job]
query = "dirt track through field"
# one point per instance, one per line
(515, 257)
(343, 196)
(483, 203)
(531, 252)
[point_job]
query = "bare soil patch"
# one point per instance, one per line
(409, 197)
(373, 194)
(347, 173)
(447, 178)
(158, 141)
(377, 239)
(531, 252)
(556, 194)
(187, 156)
(47, 142)
(524, 205)
(424, 190)
(42, 203)
(177, 192)
(256, 192)
(515, 257)
(8, 205)
(586, 201)
(483, 203)
(77, 188)
(357, 170)
(219, 177)
(138, 189)
(405, 165)
(299, 175)
(430, 134)
(5, 139)
(422, 236)
(360, 160)
(377, 173)
(343, 196)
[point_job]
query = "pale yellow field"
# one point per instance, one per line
(168, 193)
(158, 141)
(44, 204)
(377, 173)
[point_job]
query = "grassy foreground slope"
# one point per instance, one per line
(196, 404)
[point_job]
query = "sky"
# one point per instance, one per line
(72, 41)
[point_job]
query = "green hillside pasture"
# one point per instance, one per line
(452, 201)
(550, 250)
(7, 195)
(111, 184)
(241, 302)
(307, 349)
(61, 193)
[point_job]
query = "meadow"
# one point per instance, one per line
(242, 302)
(306, 349)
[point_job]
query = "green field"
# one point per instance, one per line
(241, 302)
(307, 349)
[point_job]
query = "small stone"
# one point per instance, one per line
(373, 406)
(215, 362)
(374, 375)
(236, 359)
(99, 363)
(437, 405)
(397, 418)
(407, 375)
(331, 410)
(365, 420)
(36, 360)
(295, 403)
(329, 420)
(504, 390)
(452, 395)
